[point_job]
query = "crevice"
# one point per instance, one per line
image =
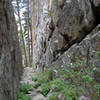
(69, 43)
(68, 46)
(6, 18)
(96, 15)
(52, 28)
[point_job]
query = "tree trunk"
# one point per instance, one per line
(28, 31)
(31, 58)
(21, 31)
(10, 55)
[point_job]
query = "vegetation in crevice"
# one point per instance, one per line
(72, 83)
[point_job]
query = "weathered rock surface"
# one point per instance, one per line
(10, 56)
(71, 31)
(40, 23)
(85, 50)
(75, 20)
(68, 24)
(84, 98)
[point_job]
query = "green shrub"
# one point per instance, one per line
(25, 87)
(45, 89)
(27, 97)
(36, 85)
(44, 77)
(70, 93)
(57, 85)
(34, 79)
(87, 78)
(97, 87)
(20, 96)
(53, 96)
(72, 82)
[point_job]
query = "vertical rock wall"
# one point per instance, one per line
(40, 22)
(67, 22)
(10, 55)
(71, 31)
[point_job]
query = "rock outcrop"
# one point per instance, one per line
(65, 30)
(84, 98)
(85, 49)
(72, 26)
(39, 24)
(75, 20)
(58, 25)
(10, 55)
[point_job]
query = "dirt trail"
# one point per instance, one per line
(27, 78)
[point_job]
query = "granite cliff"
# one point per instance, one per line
(63, 27)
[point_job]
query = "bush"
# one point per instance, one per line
(27, 97)
(44, 77)
(73, 82)
(53, 96)
(25, 88)
(36, 85)
(70, 93)
(57, 85)
(45, 89)
(34, 79)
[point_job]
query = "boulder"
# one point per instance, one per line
(87, 49)
(84, 98)
(66, 33)
(75, 20)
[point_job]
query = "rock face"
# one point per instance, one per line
(39, 24)
(84, 49)
(72, 27)
(56, 27)
(75, 20)
(10, 56)
(66, 29)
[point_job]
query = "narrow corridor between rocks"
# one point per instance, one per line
(60, 42)
(28, 74)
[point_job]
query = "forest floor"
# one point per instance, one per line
(27, 76)
(33, 87)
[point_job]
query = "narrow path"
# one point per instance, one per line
(27, 78)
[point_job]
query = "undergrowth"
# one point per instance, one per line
(24, 89)
(72, 83)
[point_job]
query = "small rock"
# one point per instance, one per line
(60, 96)
(50, 92)
(39, 89)
(39, 97)
(84, 98)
